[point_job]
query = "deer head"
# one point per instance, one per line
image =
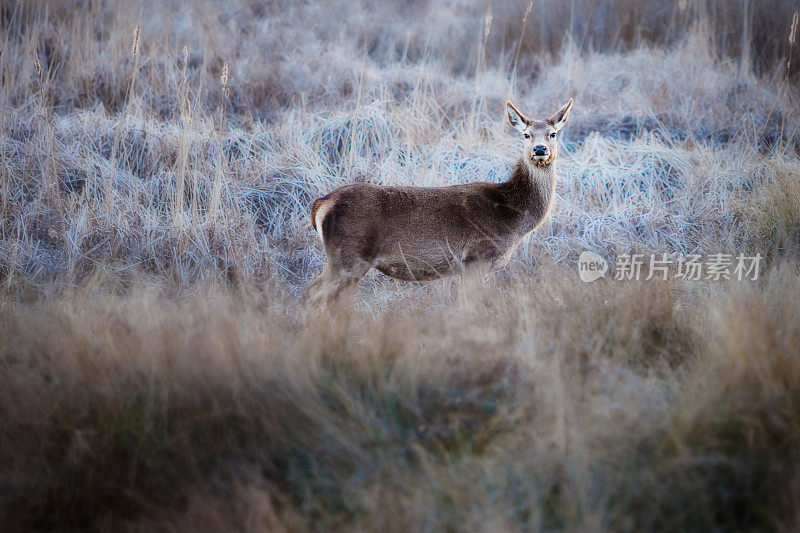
(541, 136)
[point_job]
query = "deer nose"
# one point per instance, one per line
(540, 150)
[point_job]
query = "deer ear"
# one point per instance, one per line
(559, 118)
(516, 118)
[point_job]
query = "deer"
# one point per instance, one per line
(416, 233)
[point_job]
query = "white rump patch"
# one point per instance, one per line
(319, 216)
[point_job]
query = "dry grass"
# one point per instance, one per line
(159, 366)
(568, 406)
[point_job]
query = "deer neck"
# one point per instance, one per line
(530, 191)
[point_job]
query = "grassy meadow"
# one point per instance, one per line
(161, 367)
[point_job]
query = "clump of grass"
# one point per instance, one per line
(123, 425)
(772, 211)
(644, 326)
(728, 456)
(560, 407)
(342, 139)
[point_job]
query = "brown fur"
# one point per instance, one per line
(424, 233)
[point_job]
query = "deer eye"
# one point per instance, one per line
(553, 135)
(526, 135)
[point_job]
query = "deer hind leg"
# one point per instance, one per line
(340, 277)
(316, 289)
(344, 281)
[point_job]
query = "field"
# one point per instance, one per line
(161, 367)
